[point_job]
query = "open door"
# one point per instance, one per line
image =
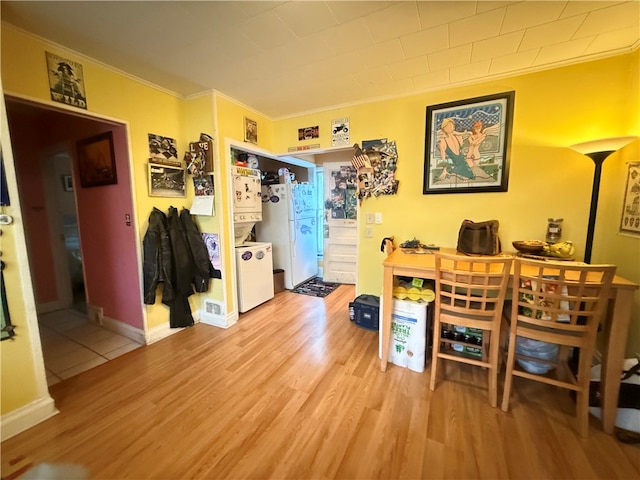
(340, 223)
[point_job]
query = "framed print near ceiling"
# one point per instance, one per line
(467, 145)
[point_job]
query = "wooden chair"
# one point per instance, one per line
(560, 303)
(470, 293)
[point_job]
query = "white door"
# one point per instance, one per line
(341, 223)
(61, 201)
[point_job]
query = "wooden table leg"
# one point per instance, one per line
(616, 330)
(385, 319)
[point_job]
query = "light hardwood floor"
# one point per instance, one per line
(294, 391)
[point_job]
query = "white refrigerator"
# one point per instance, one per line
(289, 223)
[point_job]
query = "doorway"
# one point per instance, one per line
(58, 215)
(63, 223)
(340, 223)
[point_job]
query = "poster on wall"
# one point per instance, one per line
(166, 181)
(66, 81)
(308, 133)
(203, 199)
(630, 220)
(340, 132)
(163, 151)
(342, 203)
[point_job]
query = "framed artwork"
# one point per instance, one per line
(250, 130)
(467, 145)
(166, 181)
(97, 161)
(630, 219)
(66, 81)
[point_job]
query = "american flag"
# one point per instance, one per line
(360, 158)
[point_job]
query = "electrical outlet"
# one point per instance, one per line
(378, 218)
(368, 232)
(370, 218)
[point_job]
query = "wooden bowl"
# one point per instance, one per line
(529, 246)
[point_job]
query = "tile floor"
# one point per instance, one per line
(71, 344)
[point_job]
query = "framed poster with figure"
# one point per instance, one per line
(467, 145)
(97, 161)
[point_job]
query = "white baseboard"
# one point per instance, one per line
(124, 329)
(26, 417)
(160, 332)
(221, 321)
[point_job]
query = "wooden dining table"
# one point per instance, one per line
(618, 318)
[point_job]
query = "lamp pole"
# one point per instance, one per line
(598, 158)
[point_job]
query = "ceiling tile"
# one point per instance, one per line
(600, 21)
(558, 53)
(368, 76)
(529, 14)
(352, 35)
(397, 87)
(612, 41)
(479, 27)
(576, 8)
(472, 71)
(431, 80)
(267, 30)
(408, 68)
(393, 22)
(486, 5)
(551, 33)
(439, 13)
(497, 46)
(516, 62)
(427, 41)
(330, 67)
(345, 11)
(453, 57)
(382, 53)
(305, 18)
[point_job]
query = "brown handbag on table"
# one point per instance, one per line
(479, 238)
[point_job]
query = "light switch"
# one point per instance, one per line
(378, 217)
(370, 218)
(368, 232)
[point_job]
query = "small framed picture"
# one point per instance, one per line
(166, 181)
(250, 130)
(97, 161)
(67, 183)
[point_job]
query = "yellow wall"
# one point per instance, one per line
(114, 96)
(553, 109)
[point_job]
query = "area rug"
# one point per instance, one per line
(315, 287)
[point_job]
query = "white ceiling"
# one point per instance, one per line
(285, 58)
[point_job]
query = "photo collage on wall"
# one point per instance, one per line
(376, 165)
(199, 160)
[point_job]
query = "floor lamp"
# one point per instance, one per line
(598, 151)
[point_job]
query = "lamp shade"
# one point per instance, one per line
(603, 145)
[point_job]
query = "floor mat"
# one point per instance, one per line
(315, 287)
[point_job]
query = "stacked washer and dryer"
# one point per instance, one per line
(254, 260)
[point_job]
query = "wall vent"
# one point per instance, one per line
(212, 307)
